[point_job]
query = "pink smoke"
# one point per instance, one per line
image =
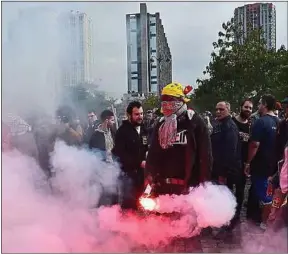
(38, 218)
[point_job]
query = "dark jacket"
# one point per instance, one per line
(97, 140)
(226, 149)
(199, 156)
(130, 147)
(90, 129)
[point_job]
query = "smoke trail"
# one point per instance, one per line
(35, 219)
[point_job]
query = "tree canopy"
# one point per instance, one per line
(237, 71)
(86, 97)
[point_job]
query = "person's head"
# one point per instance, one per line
(246, 108)
(267, 103)
(107, 118)
(156, 113)
(222, 110)
(173, 97)
(92, 117)
(135, 113)
(149, 114)
(64, 114)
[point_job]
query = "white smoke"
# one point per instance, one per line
(31, 77)
(202, 202)
(59, 216)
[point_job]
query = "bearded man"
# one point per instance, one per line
(131, 145)
(243, 123)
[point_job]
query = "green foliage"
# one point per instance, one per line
(236, 71)
(151, 102)
(85, 97)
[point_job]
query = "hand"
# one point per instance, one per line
(143, 164)
(148, 180)
(247, 169)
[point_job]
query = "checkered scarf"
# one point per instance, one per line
(17, 126)
(168, 130)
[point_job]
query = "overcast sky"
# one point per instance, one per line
(190, 27)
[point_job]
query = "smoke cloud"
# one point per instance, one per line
(31, 74)
(61, 215)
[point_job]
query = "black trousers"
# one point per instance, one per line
(131, 189)
(239, 191)
(239, 182)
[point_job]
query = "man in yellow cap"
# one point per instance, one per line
(180, 154)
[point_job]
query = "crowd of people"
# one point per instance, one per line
(178, 150)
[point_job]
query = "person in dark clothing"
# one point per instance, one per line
(226, 147)
(243, 124)
(226, 151)
(91, 128)
(180, 153)
(102, 140)
(260, 162)
(103, 137)
(131, 145)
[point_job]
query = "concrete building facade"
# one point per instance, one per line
(76, 51)
(149, 61)
(257, 15)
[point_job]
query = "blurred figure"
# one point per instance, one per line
(91, 127)
(260, 163)
(103, 140)
(207, 119)
(243, 123)
(226, 151)
(148, 120)
(67, 129)
(278, 109)
(103, 137)
(21, 136)
(180, 153)
(131, 145)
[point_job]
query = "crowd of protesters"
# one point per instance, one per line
(179, 149)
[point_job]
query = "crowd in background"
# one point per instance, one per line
(235, 147)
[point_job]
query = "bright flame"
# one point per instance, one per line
(148, 203)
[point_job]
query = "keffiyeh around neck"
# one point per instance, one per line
(168, 130)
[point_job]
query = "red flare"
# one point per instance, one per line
(148, 204)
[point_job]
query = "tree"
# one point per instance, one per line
(151, 102)
(86, 97)
(237, 70)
